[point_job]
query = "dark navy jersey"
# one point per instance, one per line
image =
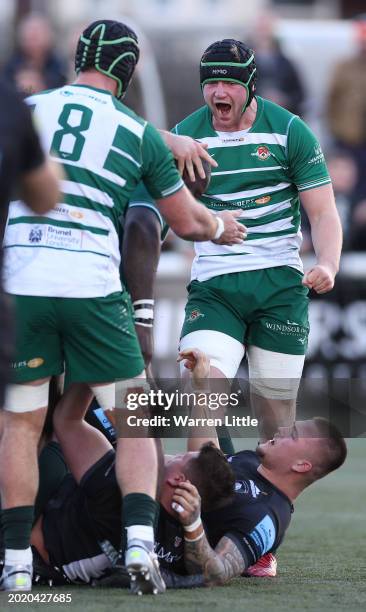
(80, 521)
(259, 515)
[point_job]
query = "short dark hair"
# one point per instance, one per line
(213, 476)
(333, 446)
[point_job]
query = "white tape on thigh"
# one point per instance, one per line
(225, 352)
(274, 375)
(26, 398)
(106, 394)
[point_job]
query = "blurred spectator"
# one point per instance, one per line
(343, 171)
(346, 104)
(34, 65)
(358, 227)
(279, 79)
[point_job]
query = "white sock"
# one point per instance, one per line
(18, 557)
(145, 533)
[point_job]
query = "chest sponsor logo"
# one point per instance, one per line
(76, 214)
(241, 139)
(56, 237)
(262, 152)
(63, 238)
(263, 200)
(194, 315)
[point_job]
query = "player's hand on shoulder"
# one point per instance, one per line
(234, 232)
(320, 278)
(186, 503)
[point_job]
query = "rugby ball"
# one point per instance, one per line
(199, 185)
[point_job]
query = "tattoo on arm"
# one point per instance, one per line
(218, 566)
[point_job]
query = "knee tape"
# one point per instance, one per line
(26, 398)
(274, 375)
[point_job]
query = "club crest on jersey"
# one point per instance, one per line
(262, 152)
(195, 314)
(177, 541)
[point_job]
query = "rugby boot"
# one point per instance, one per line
(143, 569)
(16, 578)
(266, 567)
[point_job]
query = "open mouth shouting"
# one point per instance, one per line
(223, 109)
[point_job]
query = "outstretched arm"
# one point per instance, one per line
(197, 362)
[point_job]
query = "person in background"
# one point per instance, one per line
(34, 65)
(346, 104)
(279, 79)
(343, 172)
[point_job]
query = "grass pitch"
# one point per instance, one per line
(322, 563)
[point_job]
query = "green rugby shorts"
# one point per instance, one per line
(93, 339)
(266, 308)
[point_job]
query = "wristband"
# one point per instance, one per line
(143, 312)
(195, 539)
(220, 228)
(193, 526)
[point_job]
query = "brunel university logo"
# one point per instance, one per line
(194, 315)
(35, 235)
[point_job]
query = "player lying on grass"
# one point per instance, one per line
(221, 531)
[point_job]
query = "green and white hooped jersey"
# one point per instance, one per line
(260, 172)
(104, 150)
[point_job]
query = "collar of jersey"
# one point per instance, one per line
(104, 91)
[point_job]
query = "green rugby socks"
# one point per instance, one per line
(17, 525)
(139, 515)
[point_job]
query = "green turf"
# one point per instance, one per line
(322, 563)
